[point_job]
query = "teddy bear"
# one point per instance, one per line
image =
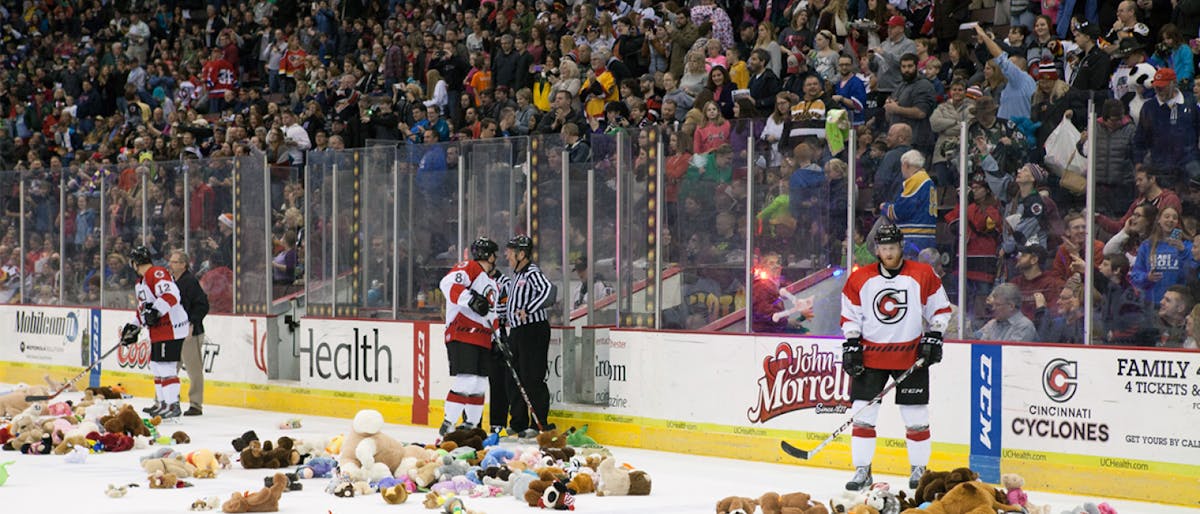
(620, 482)
(160, 480)
(105, 392)
(425, 475)
(557, 497)
(582, 483)
(125, 421)
(935, 483)
(210, 503)
(791, 503)
(25, 430)
(243, 441)
(545, 478)
(264, 455)
(394, 495)
(551, 439)
(458, 485)
(205, 461)
(1015, 494)
(451, 468)
(463, 437)
(967, 498)
(557, 454)
(266, 500)
(175, 465)
(293, 482)
(367, 452)
(318, 467)
(736, 505)
(13, 403)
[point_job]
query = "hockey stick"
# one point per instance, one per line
(802, 454)
(503, 342)
(69, 383)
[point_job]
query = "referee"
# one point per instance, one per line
(529, 337)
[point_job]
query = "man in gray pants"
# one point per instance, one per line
(195, 302)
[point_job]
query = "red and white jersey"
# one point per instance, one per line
(891, 313)
(158, 288)
(219, 77)
(462, 323)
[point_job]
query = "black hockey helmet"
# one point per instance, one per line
(521, 242)
(889, 234)
(483, 248)
(140, 255)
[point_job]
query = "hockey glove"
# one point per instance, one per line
(852, 357)
(479, 304)
(129, 334)
(930, 348)
(150, 315)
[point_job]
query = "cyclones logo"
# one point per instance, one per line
(136, 355)
(1059, 379)
(890, 305)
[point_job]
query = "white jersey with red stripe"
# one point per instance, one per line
(157, 287)
(891, 312)
(462, 323)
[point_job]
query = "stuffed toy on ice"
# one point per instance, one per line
(318, 467)
(1014, 492)
(367, 453)
(736, 505)
(265, 500)
(4, 471)
(967, 498)
(616, 481)
(791, 503)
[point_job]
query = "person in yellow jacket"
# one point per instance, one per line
(600, 86)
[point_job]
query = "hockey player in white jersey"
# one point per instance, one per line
(893, 313)
(471, 318)
(160, 311)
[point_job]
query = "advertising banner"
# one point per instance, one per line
(45, 335)
(1126, 408)
(233, 348)
(986, 405)
(356, 356)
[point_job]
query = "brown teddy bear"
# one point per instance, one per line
(466, 437)
(394, 495)
(736, 505)
(792, 503)
(125, 421)
(582, 483)
(936, 483)
(551, 439)
(967, 498)
(14, 403)
(160, 480)
(266, 500)
(546, 478)
(558, 454)
(174, 465)
(616, 481)
(106, 392)
(264, 455)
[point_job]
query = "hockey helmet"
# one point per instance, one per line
(889, 234)
(483, 249)
(140, 255)
(520, 242)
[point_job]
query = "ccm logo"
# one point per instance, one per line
(985, 401)
(421, 353)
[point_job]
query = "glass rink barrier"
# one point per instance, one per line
(741, 225)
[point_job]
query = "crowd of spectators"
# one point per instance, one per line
(121, 96)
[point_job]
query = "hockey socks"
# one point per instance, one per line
(166, 381)
(466, 396)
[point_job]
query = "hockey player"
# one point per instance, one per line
(470, 320)
(498, 395)
(893, 313)
(160, 311)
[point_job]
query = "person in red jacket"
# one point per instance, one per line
(983, 244)
(160, 311)
(220, 78)
(1069, 259)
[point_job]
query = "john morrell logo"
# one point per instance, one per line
(798, 377)
(1059, 379)
(38, 323)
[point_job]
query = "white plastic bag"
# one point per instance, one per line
(1064, 160)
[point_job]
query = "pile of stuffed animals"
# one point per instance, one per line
(958, 491)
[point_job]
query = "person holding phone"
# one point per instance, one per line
(1162, 257)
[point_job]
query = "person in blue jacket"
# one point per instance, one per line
(1162, 258)
(915, 209)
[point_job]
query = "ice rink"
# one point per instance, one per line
(681, 483)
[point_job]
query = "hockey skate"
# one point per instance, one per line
(914, 479)
(156, 410)
(466, 426)
(446, 428)
(171, 413)
(862, 479)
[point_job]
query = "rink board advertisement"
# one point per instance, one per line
(45, 335)
(233, 347)
(356, 356)
(1130, 409)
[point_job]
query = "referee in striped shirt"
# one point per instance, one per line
(529, 337)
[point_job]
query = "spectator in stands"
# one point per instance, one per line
(807, 189)
(885, 60)
(914, 210)
(1192, 327)
(1167, 132)
(1149, 192)
(1065, 323)
(1027, 216)
(1162, 257)
(714, 132)
(1173, 309)
(912, 102)
(889, 178)
(983, 242)
(850, 93)
(1114, 158)
(1007, 323)
(764, 83)
(1120, 307)
(1002, 143)
(1069, 259)
(1092, 71)
(1032, 279)
(1019, 86)
(945, 122)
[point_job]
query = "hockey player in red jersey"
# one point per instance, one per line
(160, 311)
(471, 317)
(893, 313)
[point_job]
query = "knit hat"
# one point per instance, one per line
(974, 93)
(1038, 173)
(226, 219)
(1046, 71)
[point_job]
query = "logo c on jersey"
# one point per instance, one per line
(890, 305)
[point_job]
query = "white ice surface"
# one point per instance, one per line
(681, 483)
